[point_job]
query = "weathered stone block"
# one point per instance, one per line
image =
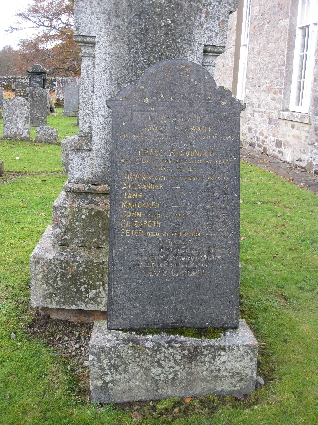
(82, 218)
(46, 134)
(68, 278)
(125, 366)
(16, 119)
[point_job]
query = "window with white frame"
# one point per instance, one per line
(241, 78)
(304, 55)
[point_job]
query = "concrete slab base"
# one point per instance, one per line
(125, 366)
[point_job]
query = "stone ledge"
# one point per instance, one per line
(125, 366)
(294, 116)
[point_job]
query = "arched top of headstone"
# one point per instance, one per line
(37, 69)
(176, 80)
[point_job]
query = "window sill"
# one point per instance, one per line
(294, 116)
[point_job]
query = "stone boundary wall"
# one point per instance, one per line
(54, 84)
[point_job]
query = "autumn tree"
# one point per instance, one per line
(53, 46)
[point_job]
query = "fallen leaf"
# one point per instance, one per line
(187, 400)
(136, 416)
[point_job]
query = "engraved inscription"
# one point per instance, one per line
(158, 178)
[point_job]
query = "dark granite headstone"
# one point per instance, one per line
(174, 234)
(38, 99)
(21, 90)
(37, 76)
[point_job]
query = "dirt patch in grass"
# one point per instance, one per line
(69, 340)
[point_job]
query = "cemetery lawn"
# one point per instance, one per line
(279, 258)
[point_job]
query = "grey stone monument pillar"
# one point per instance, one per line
(119, 41)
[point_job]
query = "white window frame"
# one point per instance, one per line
(304, 55)
(245, 36)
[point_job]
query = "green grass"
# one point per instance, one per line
(31, 157)
(279, 258)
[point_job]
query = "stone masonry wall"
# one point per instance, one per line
(266, 123)
(55, 84)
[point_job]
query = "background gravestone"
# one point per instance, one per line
(1, 97)
(37, 76)
(71, 100)
(16, 118)
(21, 90)
(46, 134)
(38, 99)
(174, 233)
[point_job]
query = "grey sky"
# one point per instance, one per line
(7, 18)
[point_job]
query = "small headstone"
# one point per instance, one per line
(38, 106)
(16, 120)
(21, 90)
(37, 76)
(71, 100)
(174, 234)
(46, 134)
(1, 97)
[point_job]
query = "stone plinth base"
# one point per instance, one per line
(125, 366)
(68, 277)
